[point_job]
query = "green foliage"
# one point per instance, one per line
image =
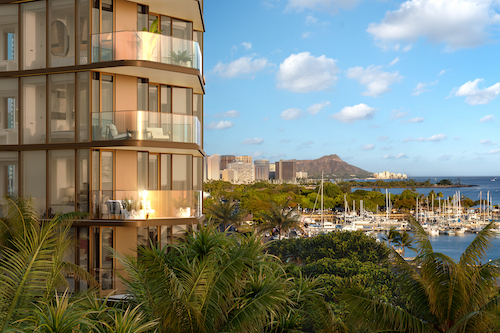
(445, 182)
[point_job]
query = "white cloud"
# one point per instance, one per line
(494, 151)
(306, 34)
(223, 124)
(386, 148)
(368, 147)
(259, 154)
(227, 114)
(388, 157)
(401, 155)
(487, 142)
(487, 118)
(247, 45)
(253, 141)
(422, 87)
(382, 138)
(395, 61)
(330, 6)
(350, 114)
(315, 108)
(474, 95)
(445, 157)
(415, 120)
(242, 66)
(291, 114)
(456, 23)
(397, 114)
(277, 156)
(304, 145)
(376, 81)
(435, 138)
(443, 71)
(311, 19)
(304, 73)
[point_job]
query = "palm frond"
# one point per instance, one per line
(476, 251)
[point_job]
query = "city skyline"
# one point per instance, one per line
(386, 85)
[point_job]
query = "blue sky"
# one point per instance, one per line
(404, 86)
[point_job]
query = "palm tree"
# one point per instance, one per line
(283, 218)
(405, 241)
(208, 283)
(225, 213)
(391, 236)
(443, 295)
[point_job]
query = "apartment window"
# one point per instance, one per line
(153, 98)
(34, 176)
(62, 107)
(83, 247)
(142, 171)
(142, 17)
(165, 172)
(82, 35)
(166, 99)
(33, 25)
(165, 235)
(62, 181)
(176, 28)
(9, 36)
(182, 172)
(153, 172)
(83, 106)
(61, 33)
(82, 180)
(102, 259)
(107, 171)
(142, 94)
(34, 109)
(197, 173)
(107, 16)
(107, 93)
(182, 99)
(198, 37)
(8, 112)
(147, 236)
(9, 173)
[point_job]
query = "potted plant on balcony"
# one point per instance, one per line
(131, 209)
(147, 43)
(182, 207)
(181, 58)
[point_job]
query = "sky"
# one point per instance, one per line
(404, 86)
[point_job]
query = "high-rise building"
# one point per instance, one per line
(244, 159)
(212, 167)
(229, 175)
(262, 169)
(285, 171)
(245, 173)
(225, 160)
(102, 112)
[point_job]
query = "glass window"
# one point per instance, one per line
(107, 171)
(142, 17)
(179, 232)
(82, 181)
(182, 172)
(33, 109)
(61, 32)
(62, 181)
(151, 26)
(34, 32)
(83, 252)
(198, 37)
(96, 27)
(9, 38)
(107, 93)
(9, 173)
(153, 98)
(182, 99)
(83, 107)
(34, 178)
(165, 175)
(166, 26)
(197, 173)
(142, 171)
(62, 107)
(107, 266)
(107, 16)
(8, 112)
(82, 34)
(166, 99)
(142, 94)
(142, 237)
(198, 106)
(153, 172)
(182, 29)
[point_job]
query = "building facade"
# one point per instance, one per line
(245, 173)
(244, 159)
(225, 160)
(262, 168)
(286, 171)
(212, 166)
(101, 111)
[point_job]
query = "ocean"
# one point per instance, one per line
(454, 246)
(483, 184)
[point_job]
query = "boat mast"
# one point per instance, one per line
(322, 216)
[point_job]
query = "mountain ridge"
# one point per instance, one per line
(332, 166)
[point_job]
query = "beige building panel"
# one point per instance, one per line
(126, 93)
(126, 170)
(126, 16)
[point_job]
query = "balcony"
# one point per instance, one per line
(148, 46)
(145, 125)
(142, 205)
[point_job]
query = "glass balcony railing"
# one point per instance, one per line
(142, 205)
(145, 125)
(144, 45)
